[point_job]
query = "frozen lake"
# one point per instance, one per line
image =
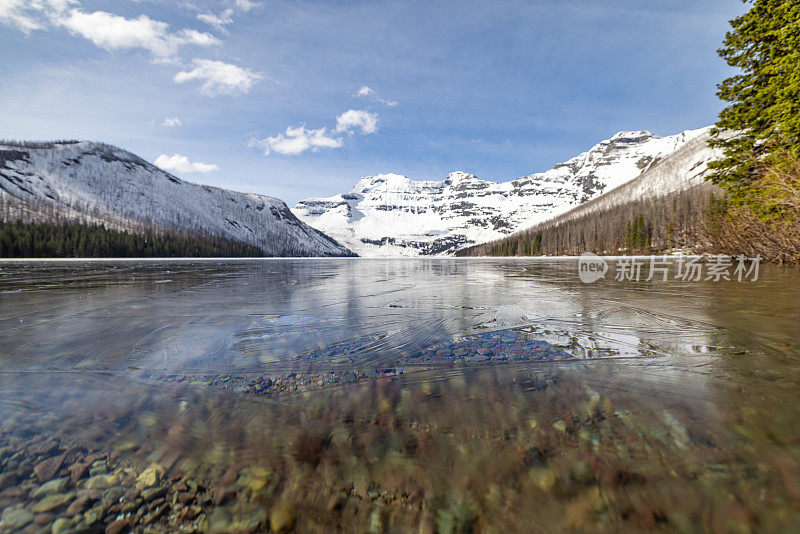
(449, 394)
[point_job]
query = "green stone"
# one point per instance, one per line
(51, 502)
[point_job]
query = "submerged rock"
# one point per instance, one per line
(149, 477)
(101, 482)
(8, 480)
(281, 518)
(118, 527)
(51, 502)
(47, 469)
(60, 525)
(57, 485)
(16, 518)
(349, 376)
(560, 425)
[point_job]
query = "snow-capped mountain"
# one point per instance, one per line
(389, 214)
(686, 168)
(100, 183)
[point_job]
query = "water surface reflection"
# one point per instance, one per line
(442, 395)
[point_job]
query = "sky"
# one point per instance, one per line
(299, 99)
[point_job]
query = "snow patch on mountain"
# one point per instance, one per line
(684, 169)
(99, 183)
(392, 215)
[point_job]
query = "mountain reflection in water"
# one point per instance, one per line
(434, 394)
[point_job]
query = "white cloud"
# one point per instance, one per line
(370, 92)
(113, 32)
(179, 163)
(19, 14)
(219, 77)
(246, 5)
(218, 21)
(171, 122)
(225, 17)
(105, 30)
(354, 118)
(365, 91)
(61, 5)
(298, 140)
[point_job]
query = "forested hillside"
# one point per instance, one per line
(754, 207)
(98, 184)
(649, 225)
(33, 229)
(76, 240)
(663, 208)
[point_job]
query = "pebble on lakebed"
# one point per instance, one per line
(493, 448)
(118, 500)
(497, 347)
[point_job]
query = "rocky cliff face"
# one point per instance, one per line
(389, 214)
(103, 184)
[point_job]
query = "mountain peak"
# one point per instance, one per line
(381, 181)
(635, 136)
(99, 183)
(459, 176)
(389, 214)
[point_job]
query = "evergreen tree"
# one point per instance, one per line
(761, 126)
(54, 240)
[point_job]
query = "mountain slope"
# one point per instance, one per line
(389, 214)
(661, 209)
(99, 183)
(682, 170)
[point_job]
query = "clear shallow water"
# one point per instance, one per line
(401, 395)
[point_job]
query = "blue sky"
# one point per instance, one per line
(266, 94)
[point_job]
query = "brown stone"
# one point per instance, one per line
(190, 512)
(92, 458)
(185, 497)
(78, 506)
(92, 495)
(118, 527)
(78, 471)
(44, 519)
(46, 470)
(42, 447)
(23, 470)
(155, 514)
(151, 494)
(74, 455)
(8, 480)
(15, 493)
(230, 475)
(224, 494)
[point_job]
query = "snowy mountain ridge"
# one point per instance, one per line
(684, 169)
(100, 183)
(390, 214)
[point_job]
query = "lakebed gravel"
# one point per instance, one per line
(442, 450)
